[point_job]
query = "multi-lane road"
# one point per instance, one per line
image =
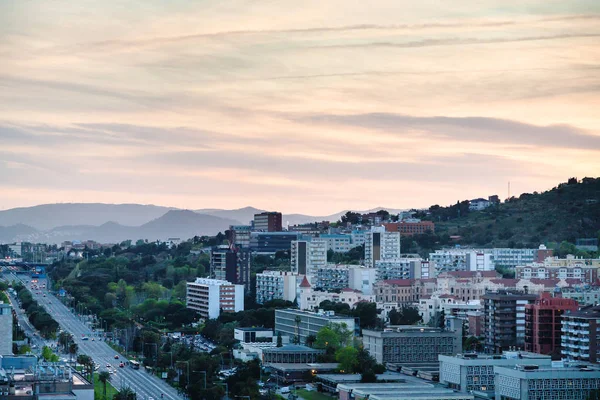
(144, 384)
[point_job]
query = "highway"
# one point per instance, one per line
(145, 385)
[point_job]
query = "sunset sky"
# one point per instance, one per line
(309, 106)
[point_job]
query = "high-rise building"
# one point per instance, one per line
(505, 320)
(275, 285)
(210, 297)
(308, 255)
(240, 235)
(231, 264)
(543, 323)
(6, 329)
(268, 222)
(381, 245)
(581, 335)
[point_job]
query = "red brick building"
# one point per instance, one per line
(543, 323)
(407, 228)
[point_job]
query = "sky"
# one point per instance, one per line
(313, 106)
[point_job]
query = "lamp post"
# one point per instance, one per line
(204, 373)
(171, 353)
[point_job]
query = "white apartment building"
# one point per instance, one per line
(448, 304)
(338, 243)
(402, 268)
(362, 278)
(456, 259)
(571, 267)
(308, 255)
(358, 237)
(6, 329)
(209, 296)
(276, 285)
(479, 261)
(381, 245)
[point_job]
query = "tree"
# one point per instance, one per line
(104, 377)
(125, 394)
(367, 314)
(406, 316)
(279, 340)
(368, 377)
(24, 349)
(48, 355)
(73, 349)
(347, 359)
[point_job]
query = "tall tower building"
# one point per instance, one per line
(308, 255)
(381, 245)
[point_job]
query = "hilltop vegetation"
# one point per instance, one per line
(558, 216)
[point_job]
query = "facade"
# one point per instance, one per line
(268, 222)
(456, 259)
(411, 344)
(208, 297)
(231, 264)
(302, 324)
(505, 320)
(475, 371)
(580, 335)
(571, 267)
(240, 235)
(543, 323)
(275, 285)
(408, 390)
(479, 261)
(410, 227)
(6, 329)
(583, 296)
(291, 354)
(272, 242)
(358, 237)
(332, 277)
(401, 268)
(253, 341)
(532, 382)
(362, 278)
(449, 259)
(479, 204)
(311, 299)
(338, 243)
(307, 256)
(381, 245)
(397, 291)
(447, 304)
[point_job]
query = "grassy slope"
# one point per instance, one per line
(563, 213)
(99, 389)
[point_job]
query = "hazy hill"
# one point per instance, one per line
(48, 216)
(7, 233)
(242, 215)
(566, 212)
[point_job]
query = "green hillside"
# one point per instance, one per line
(565, 213)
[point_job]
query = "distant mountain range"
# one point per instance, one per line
(112, 223)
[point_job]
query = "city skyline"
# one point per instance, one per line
(309, 108)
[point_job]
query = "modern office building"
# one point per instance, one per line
(533, 382)
(543, 323)
(268, 222)
(231, 264)
(580, 335)
(6, 329)
(210, 297)
(505, 320)
(302, 324)
(276, 285)
(411, 344)
(307, 256)
(381, 245)
(272, 242)
(475, 371)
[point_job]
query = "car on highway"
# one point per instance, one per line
(121, 365)
(116, 356)
(85, 338)
(108, 366)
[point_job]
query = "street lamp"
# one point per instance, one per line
(204, 373)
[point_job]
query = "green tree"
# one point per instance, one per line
(368, 377)
(279, 340)
(73, 349)
(347, 359)
(327, 337)
(24, 349)
(125, 394)
(104, 377)
(367, 314)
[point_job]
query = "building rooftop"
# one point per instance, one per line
(293, 348)
(254, 329)
(314, 314)
(586, 312)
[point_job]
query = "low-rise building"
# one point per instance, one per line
(412, 389)
(411, 344)
(581, 335)
(302, 324)
(475, 371)
(291, 354)
(533, 382)
(209, 297)
(253, 341)
(276, 285)
(398, 291)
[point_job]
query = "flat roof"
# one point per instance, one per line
(293, 348)
(254, 329)
(350, 378)
(313, 314)
(303, 367)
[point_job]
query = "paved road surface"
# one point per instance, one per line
(146, 385)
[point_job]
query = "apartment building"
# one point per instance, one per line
(240, 235)
(410, 227)
(580, 335)
(533, 382)
(448, 304)
(456, 259)
(268, 222)
(361, 278)
(411, 344)
(6, 329)
(381, 245)
(307, 256)
(231, 264)
(358, 237)
(337, 243)
(276, 285)
(397, 291)
(584, 296)
(401, 268)
(208, 297)
(505, 320)
(332, 277)
(479, 261)
(475, 371)
(571, 267)
(543, 323)
(302, 324)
